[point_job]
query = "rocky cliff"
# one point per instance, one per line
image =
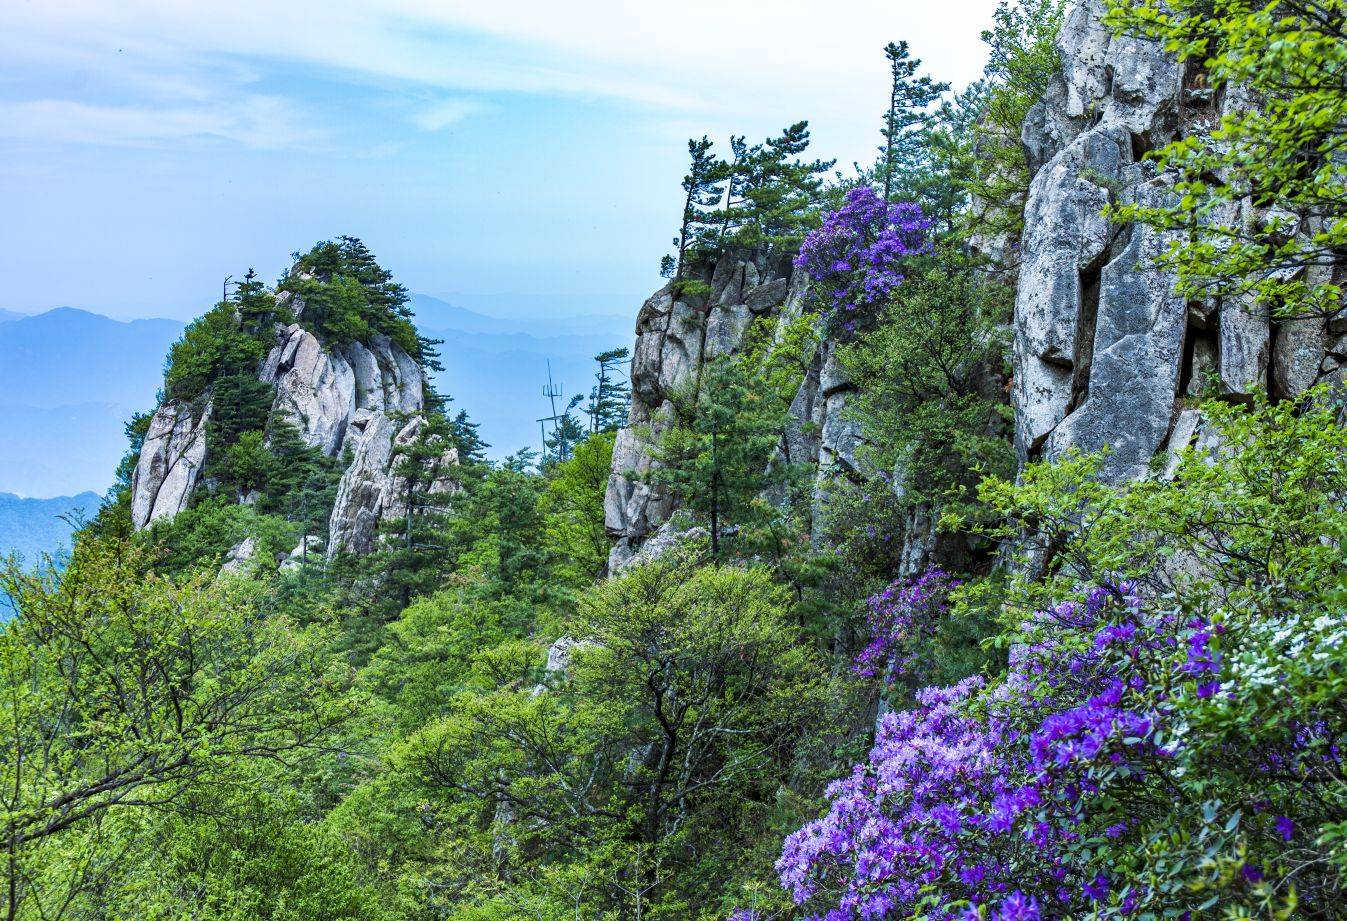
(358, 401)
(1105, 351)
(675, 337)
(1105, 354)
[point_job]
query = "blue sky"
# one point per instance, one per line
(480, 149)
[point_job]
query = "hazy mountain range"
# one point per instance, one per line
(70, 379)
(32, 527)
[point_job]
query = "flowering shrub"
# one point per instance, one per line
(858, 256)
(1052, 792)
(902, 621)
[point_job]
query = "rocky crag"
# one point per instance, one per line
(1105, 354)
(675, 337)
(358, 401)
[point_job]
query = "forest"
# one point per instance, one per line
(936, 666)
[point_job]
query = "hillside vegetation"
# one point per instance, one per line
(930, 658)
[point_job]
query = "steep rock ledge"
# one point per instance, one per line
(170, 463)
(675, 338)
(1105, 350)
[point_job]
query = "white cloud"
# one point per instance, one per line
(716, 60)
(256, 121)
(440, 115)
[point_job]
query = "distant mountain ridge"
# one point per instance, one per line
(33, 527)
(70, 379)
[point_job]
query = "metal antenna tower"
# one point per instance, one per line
(552, 391)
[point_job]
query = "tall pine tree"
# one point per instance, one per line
(610, 397)
(777, 192)
(910, 96)
(703, 188)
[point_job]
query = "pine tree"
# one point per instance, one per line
(703, 187)
(463, 432)
(610, 398)
(717, 458)
(909, 98)
(566, 434)
(413, 545)
(737, 175)
(780, 190)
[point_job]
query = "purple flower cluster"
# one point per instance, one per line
(902, 620)
(859, 254)
(979, 802)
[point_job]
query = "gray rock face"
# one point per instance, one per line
(170, 463)
(319, 389)
(1133, 373)
(361, 493)
(370, 489)
(1066, 235)
(1105, 349)
(674, 340)
(315, 389)
(367, 397)
(1099, 333)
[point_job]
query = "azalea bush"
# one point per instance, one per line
(861, 253)
(1166, 740)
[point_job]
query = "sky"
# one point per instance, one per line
(516, 155)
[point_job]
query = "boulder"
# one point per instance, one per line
(308, 550)
(240, 556)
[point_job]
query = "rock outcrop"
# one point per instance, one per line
(371, 488)
(320, 389)
(1105, 350)
(171, 458)
(362, 399)
(675, 338)
(1107, 356)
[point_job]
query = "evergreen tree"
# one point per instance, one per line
(717, 458)
(347, 296)
(413, 545)
(781, 190)
(463, 434)
(703, 187)
(737, 174)
(566, 433)
(610, 398)
(910, 96)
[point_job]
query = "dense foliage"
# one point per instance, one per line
(1164, 741)
(953, 688)
(1259, 197)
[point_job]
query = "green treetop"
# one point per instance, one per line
(704, 187)
(610, 397)
(910, 97)
(348, 297)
